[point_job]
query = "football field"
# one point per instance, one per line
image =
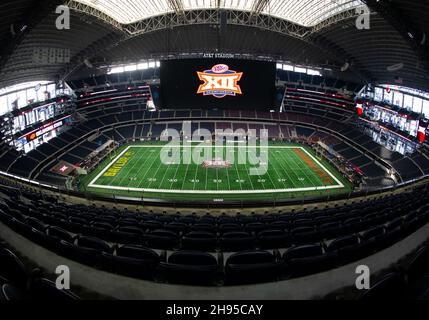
(291, 171)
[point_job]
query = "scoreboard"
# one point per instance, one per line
(218, 83)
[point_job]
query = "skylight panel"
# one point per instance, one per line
(304, 12)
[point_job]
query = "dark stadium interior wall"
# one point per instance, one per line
(97, 77)
(156, 94)
(180, 83)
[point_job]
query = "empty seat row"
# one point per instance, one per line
(18, 282)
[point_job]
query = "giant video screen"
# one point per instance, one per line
(217, 83)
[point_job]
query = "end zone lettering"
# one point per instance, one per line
(113, 170)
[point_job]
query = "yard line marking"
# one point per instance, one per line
(147, 170)
(285, 171)
(227, 171)
(248, 176)
(279, 181)
(196, 175)
(312, 173)
(217, 179)
(309, 173)
(157, 170)
(271, 180)
(131, 169)
(206, 178)
(297, 168)
(175, 173)
(174, 176)
(186, 174)
(239, 178)
(301, 171)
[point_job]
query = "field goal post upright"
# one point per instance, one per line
(112, 147)
(282, 106)
(319, 151)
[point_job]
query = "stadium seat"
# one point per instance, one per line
(345, 248)
(162, 239)
(9, 292)
(302, 235)
(46, 290)
(98, 230)
(177, 227)
(236, 241)
(229, 227)
(306, 259)
(135, 261)
(200, 240)
(87, 249)
(204, 227)
(272, 239)
(150, 225)
(56, 236)
(389, 287)
(255, 227)
(191, 267)
(125, 237)
(416, 272)
(136, 230)
(373, 239)
(12, 269)
(251, 267)
(93, 243)
(128, 222)
(329, 230)
(5, 217)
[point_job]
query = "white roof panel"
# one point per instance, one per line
(304, 12)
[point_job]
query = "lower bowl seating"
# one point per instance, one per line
(211, 250)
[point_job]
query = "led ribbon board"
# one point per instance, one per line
(220, 82)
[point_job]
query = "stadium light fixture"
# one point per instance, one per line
(143, 66)
(312, 72)
(116, 70)
(300, 70)
(131, 67)
(134, 67)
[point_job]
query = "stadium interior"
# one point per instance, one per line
(237, 150)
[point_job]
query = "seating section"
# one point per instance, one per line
(408, 169)
(115, 112)
(422, 161)
(214, 250)
(210, 250)
(73, 147)
(316, 83)
(20, 282)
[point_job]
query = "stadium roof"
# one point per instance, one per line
(312, 32)
(306, 13)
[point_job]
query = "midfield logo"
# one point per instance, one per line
(220, 82)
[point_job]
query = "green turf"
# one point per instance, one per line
(137, 171)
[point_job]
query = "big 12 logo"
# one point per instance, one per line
(220, 82)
